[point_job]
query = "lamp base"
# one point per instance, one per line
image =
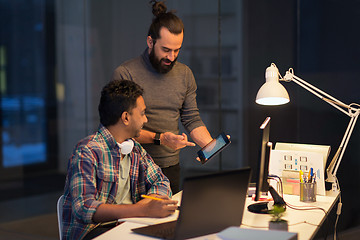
(331, 186)
(328, 186)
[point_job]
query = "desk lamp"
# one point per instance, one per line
(273, 93)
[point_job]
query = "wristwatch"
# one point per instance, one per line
(157, 139)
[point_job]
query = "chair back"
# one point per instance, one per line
(59, 209)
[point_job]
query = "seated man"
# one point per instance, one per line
(109, 171)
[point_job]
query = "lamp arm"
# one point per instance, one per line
(289, 76)
(335, 162)
(352, 112)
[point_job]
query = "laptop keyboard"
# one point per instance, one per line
(162, 230)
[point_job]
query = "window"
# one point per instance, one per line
(27, 92)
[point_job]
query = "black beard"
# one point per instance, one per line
(157, 64)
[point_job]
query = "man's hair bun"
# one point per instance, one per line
(158, 8)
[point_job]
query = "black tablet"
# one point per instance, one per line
(213, 148)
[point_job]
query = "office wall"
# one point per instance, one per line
(93, 38)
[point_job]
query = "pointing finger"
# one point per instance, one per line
(190, 144)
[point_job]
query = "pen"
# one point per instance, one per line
(311, 173)
(150, 197)
(301, 176)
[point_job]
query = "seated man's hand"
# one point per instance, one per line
(158, 208)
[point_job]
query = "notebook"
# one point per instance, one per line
(209, 204)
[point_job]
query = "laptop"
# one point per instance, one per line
(209, 204)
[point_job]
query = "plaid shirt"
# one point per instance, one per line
(92, 179)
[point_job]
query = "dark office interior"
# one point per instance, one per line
(56, 55)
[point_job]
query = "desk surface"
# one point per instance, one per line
(304, 222)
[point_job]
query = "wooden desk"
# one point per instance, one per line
(305, 223)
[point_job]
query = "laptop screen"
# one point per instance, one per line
(209, 204)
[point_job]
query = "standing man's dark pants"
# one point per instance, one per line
(173, 174)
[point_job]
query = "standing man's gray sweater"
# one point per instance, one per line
(168, 97)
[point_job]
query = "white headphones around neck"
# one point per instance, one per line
(126, 146)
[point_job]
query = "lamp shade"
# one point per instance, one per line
(272, 92)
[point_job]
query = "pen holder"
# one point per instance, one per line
(308, 192)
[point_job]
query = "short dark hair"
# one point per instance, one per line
(163, 19)
(117, 97)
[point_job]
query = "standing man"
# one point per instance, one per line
(109, 171)
(170, 94)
